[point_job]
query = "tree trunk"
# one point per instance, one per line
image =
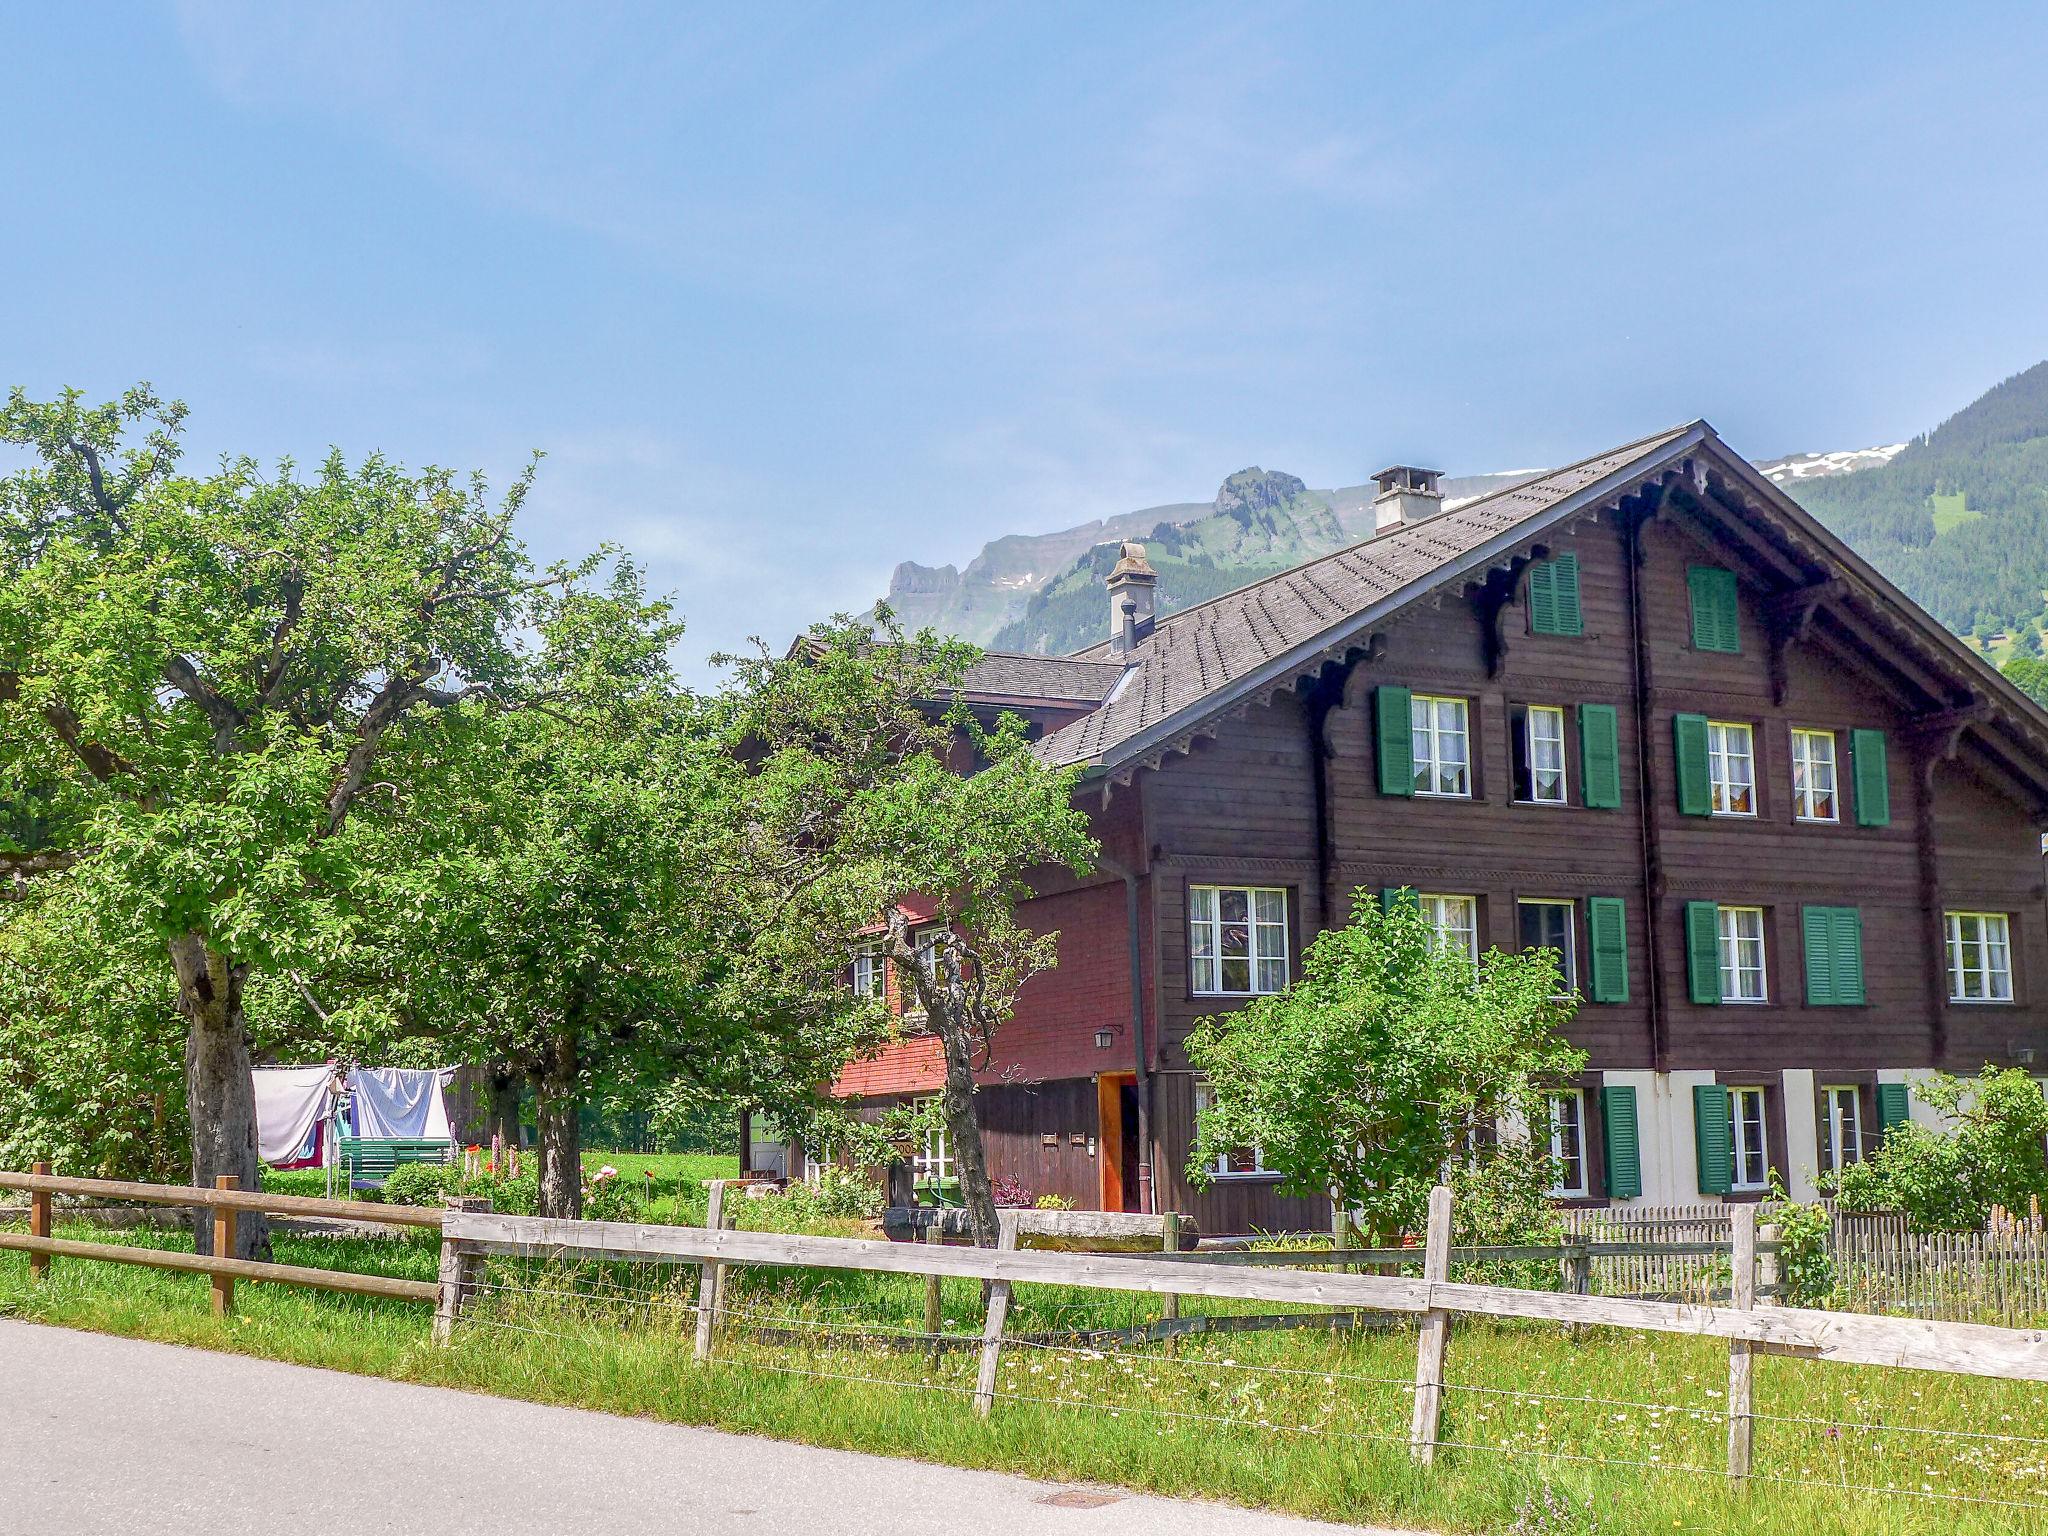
(556, 1104)
(963, 1130)
(220, 1095)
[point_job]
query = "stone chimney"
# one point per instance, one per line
(1407, 495)
(1130, 599)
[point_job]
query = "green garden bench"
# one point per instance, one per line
(370, 1162)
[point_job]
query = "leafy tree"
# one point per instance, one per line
(2028, 642)
(878, 807)
(1995, 1154)
(2030, 676)
(1373, 1071)
(205, 675)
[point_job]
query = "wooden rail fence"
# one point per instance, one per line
(1751, 1324)
(221, 1205)
(470, 1233)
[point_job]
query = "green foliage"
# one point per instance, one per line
(419, 1183)
(1806, 1266)
(1547, 1510)
(1499, 1201)
(1366, 1076)
(1995, 1153)
(2030, 676)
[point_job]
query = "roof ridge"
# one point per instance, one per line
(1169, 620)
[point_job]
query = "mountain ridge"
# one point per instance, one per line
(1957, 516)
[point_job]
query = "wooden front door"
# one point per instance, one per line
(1116, 1140)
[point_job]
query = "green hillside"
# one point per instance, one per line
(1262, 521)
(1959, 518)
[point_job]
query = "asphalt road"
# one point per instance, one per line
(106, 1435)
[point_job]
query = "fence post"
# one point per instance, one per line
(1742, 1285)
(1435, 1333)
(458, 1271)
(992, 1326)
(1169, 1304)
(224, 1247)
(710, 1276)
(39, 1222)
(1770, 1274)
(934, 1295)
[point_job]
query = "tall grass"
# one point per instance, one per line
(1308, 1421)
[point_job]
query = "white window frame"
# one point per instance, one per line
(1566, 1111)
(1550, 713)
(1730, 939)
(1808, 768)
(1841, 1126)
(1427, 740)
(1205, 1101)
(1265, 957)
(871, 969)
(1991, 965)
(1570, 953)
(1722, 756)
(932, 1162)
(1436, 908)
(1740, 1148)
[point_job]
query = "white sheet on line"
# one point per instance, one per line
(399, 1104)
(289, 1103)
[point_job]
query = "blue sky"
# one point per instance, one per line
(789, 293)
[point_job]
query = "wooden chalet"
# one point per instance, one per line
(1784, 829)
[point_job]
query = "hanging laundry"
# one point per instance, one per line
(399, 1103)
(290, 1104)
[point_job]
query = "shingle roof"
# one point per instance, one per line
(1201, 658)
(1014, 674)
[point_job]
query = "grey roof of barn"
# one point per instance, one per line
(998, 675)
(1208, 658)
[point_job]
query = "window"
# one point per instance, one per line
(1731, 768)
(1841, 1127)
(870, 970)
(1752, 1168)
(1456, 921)
(1568, 1144)
(1548, 925)
(1539, 755)
(1742, 954)
(1554, 597)
(1813, 776)
(1238, 1162)
(1437, 729)
(1979, 958)
(1237, 939)
(932, 1163)
(1715, 609)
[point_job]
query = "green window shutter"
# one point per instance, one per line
(1624, 1143)
(1689, 746)
(1392, 896)
(1703, 951)
(1600, 756)
(1607, 918)
(1715, 609)
(1554, 597)
(1873, 783)
(1543, 598)
(1847, 943)
(1712, 1140)
(1817, 932)
(1391, 708)
(1894, 1101)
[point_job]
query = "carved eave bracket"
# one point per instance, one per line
(1788, 616)
(1938, 738)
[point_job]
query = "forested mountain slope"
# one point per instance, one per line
(1959, 517)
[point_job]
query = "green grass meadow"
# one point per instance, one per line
(1313, 1422)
